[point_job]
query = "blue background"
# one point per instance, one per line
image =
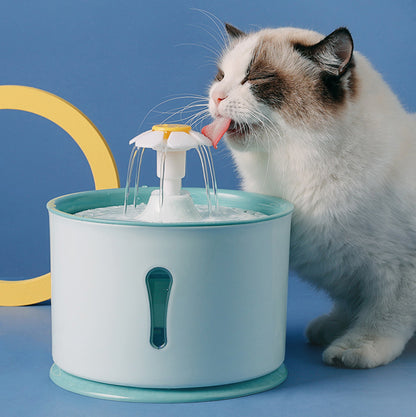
(115, 61)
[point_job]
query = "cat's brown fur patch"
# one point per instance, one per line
(283, 79)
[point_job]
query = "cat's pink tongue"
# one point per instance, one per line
(215, 130)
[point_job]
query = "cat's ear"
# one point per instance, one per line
(333, 54)
(233, 32)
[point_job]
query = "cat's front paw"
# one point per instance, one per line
(362, 352)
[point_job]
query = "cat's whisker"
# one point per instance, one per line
(198, 99)
(210, 61)
(205, 29)
(201, 45)
(268, 126)
(217, 23)
(197, 114)
(263, 122)
(181, 112)
(181, 117)
(195, 103)
(198, 118)
(202, 110)
(186, 97)
(188, 108)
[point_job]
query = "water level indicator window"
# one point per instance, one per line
(158, 283)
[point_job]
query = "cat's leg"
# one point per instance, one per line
(325, 329)
(383, 326)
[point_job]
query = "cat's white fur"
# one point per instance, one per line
(352, 178)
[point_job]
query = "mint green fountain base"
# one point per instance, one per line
(177, 395)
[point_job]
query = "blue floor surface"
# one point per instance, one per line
(312, 389)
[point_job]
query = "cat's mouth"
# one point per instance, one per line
(238, 130)
(235, 131)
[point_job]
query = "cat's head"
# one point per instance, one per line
(275, 79)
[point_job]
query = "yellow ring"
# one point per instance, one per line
(92, 144)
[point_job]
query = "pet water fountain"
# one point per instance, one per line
(170, 300)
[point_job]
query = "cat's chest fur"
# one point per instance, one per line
(317, 220)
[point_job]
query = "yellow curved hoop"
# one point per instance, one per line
(92, 144)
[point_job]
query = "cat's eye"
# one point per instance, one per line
(260, 77)
(220, 75)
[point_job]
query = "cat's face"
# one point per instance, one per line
(276, 78)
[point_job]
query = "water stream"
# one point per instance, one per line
(208, 174)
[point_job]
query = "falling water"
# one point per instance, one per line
(129, 172)
(208, 173)
(212, 175)
(205, 176)
(138, 169)
(162, 178)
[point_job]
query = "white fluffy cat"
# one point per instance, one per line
(309, 120)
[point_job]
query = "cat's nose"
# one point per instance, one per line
(218, 96)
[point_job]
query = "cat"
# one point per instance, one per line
(308, 119)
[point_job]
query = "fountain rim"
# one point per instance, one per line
(68, 205)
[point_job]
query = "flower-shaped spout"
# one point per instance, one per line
(171, 141)
(175, 137)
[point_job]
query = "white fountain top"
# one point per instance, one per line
(171, 141)
(170, 137)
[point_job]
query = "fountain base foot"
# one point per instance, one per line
(157, 395)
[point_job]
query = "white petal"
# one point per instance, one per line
(148, 139)
(181, 141)
(202, 139)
